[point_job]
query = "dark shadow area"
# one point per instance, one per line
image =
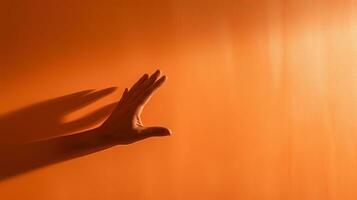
(37, 136)
(26, 132)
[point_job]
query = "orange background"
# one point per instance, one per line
(261, 97)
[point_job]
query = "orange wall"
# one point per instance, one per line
(261, 97)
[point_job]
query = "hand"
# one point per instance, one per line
(124, 125)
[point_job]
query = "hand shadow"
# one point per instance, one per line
(44, 120)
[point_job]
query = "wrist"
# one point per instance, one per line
(103, 137)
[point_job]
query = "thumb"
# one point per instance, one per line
(155, 131)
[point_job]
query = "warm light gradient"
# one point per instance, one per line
(261, 95)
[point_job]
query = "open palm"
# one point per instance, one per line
(124, 125)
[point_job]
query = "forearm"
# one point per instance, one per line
(123, 126)
(75, 144)
(18, 159)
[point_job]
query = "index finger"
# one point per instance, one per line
(145, 96)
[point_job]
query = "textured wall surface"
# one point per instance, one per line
(261, 96)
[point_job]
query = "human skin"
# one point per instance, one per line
(123, 126)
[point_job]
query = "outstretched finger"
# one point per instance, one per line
(143, 86)
(155, 131)
(139, 83)
(145, 96)
(151, 132)
(153, 78)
